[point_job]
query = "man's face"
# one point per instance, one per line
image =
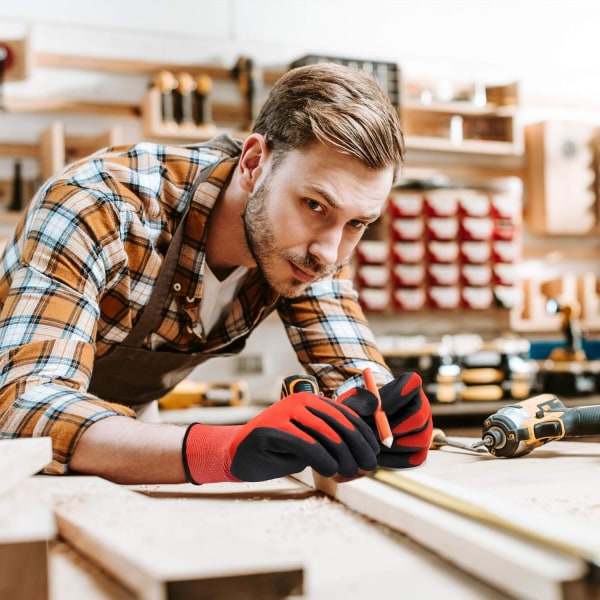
(305, 217)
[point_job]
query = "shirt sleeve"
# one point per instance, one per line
(54, 273)
(331, 336)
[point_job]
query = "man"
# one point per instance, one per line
(135, 265)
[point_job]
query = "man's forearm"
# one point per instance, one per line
(127, 451)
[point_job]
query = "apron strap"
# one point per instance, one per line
(151, 313)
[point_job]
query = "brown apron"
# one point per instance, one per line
(132, 375)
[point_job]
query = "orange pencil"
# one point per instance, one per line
(381, 420)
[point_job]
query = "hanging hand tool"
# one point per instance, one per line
(184, 100)
(517, 429)
(166, 83)
(202, 103)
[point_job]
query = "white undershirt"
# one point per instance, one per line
(217, 297)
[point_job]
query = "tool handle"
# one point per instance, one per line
(582, 421)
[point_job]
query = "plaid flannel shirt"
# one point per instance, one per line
(82, 266)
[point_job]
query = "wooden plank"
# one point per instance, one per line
(18, 150)
(26, 527)
(126, 66)
(71, 105)
(153, 550)
(554, 479)
(344, 555)
(518, 567)
(563, 535)
(276, 489)
(52, 150)
(560, 178)
(24, 534)
(21, 458)
(73, 577)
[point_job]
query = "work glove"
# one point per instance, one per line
(409, 414)
(298, 431)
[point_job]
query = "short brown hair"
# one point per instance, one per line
(335, 105)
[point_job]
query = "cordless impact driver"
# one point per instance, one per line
(517, 429)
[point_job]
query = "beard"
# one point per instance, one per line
(260, 238)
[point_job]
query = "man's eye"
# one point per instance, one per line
(357, 224)
(314, 205)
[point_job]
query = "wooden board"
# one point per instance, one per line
(21, 458)
(26, 527)
(153, 549)
(344, 555)
(517, 566)
(276, 489)
(72, 576)
(557, 479)
(560, 178)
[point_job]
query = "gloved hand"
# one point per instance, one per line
(300, 430)
(409, 415)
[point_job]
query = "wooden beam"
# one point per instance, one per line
(25, 530)
(152, 550)
(52, 150)
(20, 458)
(73, 577)
(18, 150)
(26, 524)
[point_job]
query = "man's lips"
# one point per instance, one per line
(303, 275)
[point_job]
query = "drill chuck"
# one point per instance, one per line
(502, 435)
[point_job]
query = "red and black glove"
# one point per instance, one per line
(298, 431)
(409, 414)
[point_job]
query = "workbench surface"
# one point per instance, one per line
(342, 554)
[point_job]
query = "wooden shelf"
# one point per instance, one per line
(69, 105)
(461, 108)
(477, 147)
(463, 126)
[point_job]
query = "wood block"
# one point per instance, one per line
(159, 554)
(560, 186)
(26, 526)
(22, 457)
(52, 150)
(73, 577)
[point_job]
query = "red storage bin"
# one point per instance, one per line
(442, 251)
(442, 228)
(441, 203)
(476, 228)
(413, 298)
(446, 297)
(475, 251)
(405, 204)
(408, 252)
(408, 274)
(407, 229)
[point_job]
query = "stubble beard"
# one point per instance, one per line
(260, 239)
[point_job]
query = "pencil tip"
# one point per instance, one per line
(388, 441)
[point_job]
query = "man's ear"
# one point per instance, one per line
(252, 161)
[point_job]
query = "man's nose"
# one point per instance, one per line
(325, 248)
